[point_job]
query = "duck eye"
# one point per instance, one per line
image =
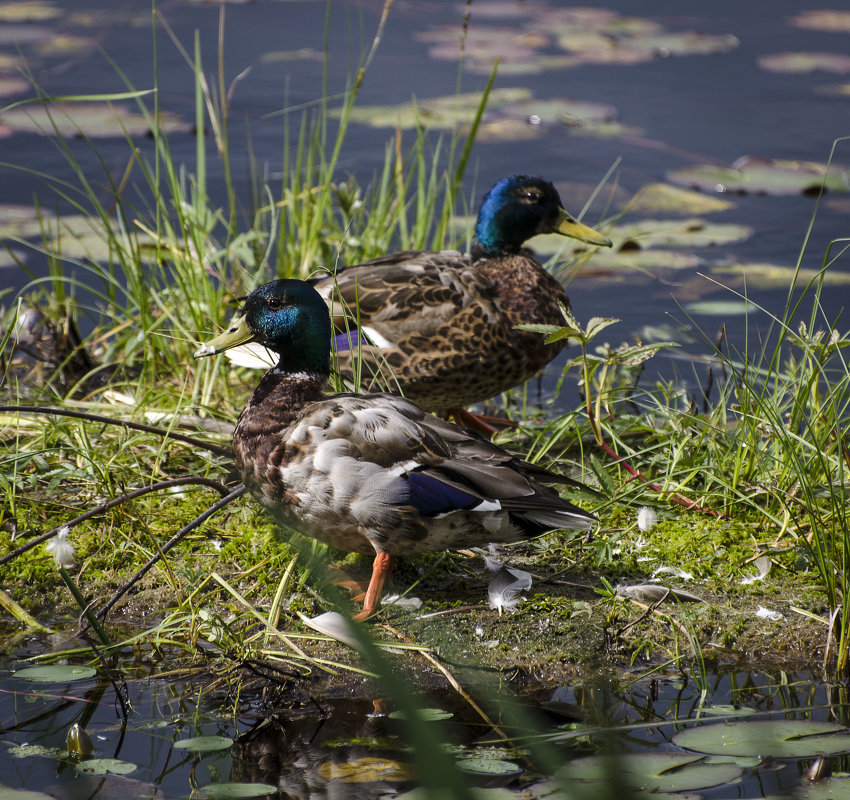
(274, 303)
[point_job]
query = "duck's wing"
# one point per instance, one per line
(403, 294)
(380, 465)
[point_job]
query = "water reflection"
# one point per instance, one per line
(355, 746)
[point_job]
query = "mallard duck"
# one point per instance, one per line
(371, 473)
(444, 323)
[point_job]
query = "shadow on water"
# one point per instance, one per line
(185, 734)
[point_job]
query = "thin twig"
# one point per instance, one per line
(238, 492)
(154, 487)
(676, 497)
(219, 450)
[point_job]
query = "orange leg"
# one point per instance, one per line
(480, 422)
(382, 567)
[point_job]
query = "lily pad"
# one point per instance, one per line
(830, 789)
(834, 89)
(29, 11)
(662, 197)
(823, 19)
(556, 110)
(365, 770)
(57, 673)
(802, 63)
(8, 793)
(103, 766)
(66, 44)
(236, 791)
(488, 766)
(721, 308)
(10, 85)
(725, 710)
(442, 113)
(785, 738)
(427, 714)
(95, 120)
(641, 261)
(686, 233)
(203, 744)
(764, 176)
(770, 276)
(653, 771)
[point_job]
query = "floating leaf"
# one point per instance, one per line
(102, 766)
(685, 43)
(830, 789)
(640, 260)
(426, 714)
(365, 770)
(434, 112)
(834, 89)
(653, 771)
(477, 793)
(95, 120)
(30, 11)
(802, 63)
(555, 110)
(236, 791)
(488, 766)
(656, 197)
(57, 673)
(721, 308)
(786, 738)
(202, 744)
(10, 85)
(302, 54)
(769, 276)
(724, 710)
(823, 19)
(763, 175)
(65, 44)
(8, 793)
(691, 232)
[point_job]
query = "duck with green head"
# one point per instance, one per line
(371, 473)
(441, 326)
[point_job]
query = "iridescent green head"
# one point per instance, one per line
(291, 319)
(521, 206)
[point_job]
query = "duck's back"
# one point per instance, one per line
(442, 325)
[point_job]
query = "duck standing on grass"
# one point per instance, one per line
(371, 472)
(441, 326)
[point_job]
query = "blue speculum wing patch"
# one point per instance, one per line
(430, 496)
(349, 340)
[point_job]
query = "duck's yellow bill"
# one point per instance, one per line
(567, 225)
(238, 333)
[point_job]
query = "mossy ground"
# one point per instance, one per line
(570, 626)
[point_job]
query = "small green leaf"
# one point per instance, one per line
(427, 714)
(102, 766)
(721, 308)
(58, 673)
(785, 738)
(203, 744)
(488, 766)
(595, 325)
(236, 791)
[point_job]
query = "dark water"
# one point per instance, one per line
(712, 107)
(691, 108)
(305, 747)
